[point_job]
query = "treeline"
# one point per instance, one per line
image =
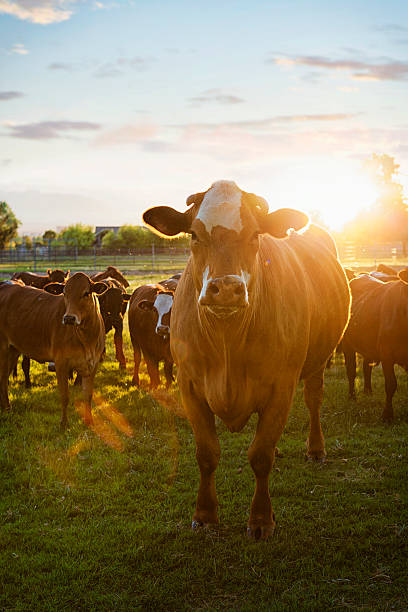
(83, 236)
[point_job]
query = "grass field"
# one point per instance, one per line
(99, 519)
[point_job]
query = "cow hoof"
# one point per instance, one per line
(387, 419)
(196, 525)
(260, 532)
(315, 459)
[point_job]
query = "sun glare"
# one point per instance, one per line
(337, 194)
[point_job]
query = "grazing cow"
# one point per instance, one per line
(40, 280)
(65, 329)
(255, 311)
(110, 272)
(149, 327)
(385, 273)
(378, 330)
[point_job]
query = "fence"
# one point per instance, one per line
(93, 259)
(163, 259)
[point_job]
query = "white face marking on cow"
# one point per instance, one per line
(162, 304)
(206, 280)
(221, 206)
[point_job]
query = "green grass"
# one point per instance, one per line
(99, 519)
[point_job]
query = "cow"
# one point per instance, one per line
(40, 280)
(149, 328)
(110, 272)
(385, 273)
(67, 329)
(255, 311)
(113, 303)
(378, 330)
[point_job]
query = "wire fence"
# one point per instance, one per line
(165, 259)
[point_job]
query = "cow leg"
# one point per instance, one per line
(313, 394)
(367, 370)
(153, 370)
(87, 391)
(390, 387)
(26, 369)
(202, 422)
(351, 364)
(261, 456)
(62, 373)
(137, 357)
(5, 364)
(118, 340)
(168, 372)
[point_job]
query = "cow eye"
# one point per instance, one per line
(193, 236)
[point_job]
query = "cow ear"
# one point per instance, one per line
(54, 288)
(49, 271)
(67, 273)
(167, 221)
(99, 287)
(404, 275)
(145, 305)
(280, 221)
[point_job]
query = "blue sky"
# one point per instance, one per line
(109, 107)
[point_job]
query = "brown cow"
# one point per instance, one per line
(149, 328)
(65, 329)
(254, 312)
(110, 272)
(40, 280)
(378, 330)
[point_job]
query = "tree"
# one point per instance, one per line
(78, 235)
(49, 235)
(390, 211)
(8, 224)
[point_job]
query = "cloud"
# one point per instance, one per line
(270, 122)
(46, 130)
(215, 95)
(10, 95)
(61, 66)
(38, 11)
(18, 49)
(369, 71)
(117, 67)
(127, 134)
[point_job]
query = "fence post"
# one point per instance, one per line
(35, 256)
(153, 257)
(95, 258)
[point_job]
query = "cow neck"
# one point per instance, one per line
(90, 328)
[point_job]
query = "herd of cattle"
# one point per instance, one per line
(262, 303)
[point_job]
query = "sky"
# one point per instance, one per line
(110, 107)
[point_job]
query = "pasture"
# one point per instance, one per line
(99, 519)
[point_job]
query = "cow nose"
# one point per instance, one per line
(163, 330)
(68, 320)
(227, 291)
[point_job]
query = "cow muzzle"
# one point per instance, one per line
(70, 320)
(224, 295)
(163, 331)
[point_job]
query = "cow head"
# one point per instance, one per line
(79, 295)
(160, 304)
(224, 223)
(113, 303)
(113, 272)
(58, 276)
